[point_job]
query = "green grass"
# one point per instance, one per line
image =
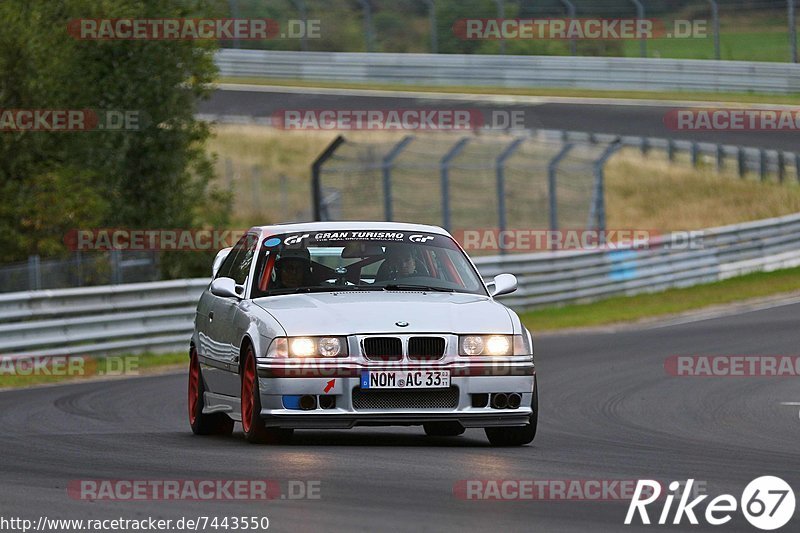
(631, 308)
(94, 366)
(689, 96)
(741, 46)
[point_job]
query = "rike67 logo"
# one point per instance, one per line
(767, 503)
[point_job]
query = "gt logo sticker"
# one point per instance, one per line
(420, 238)
(295, 239)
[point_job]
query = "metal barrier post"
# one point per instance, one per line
(386, 167)
(444, 166)
(781, 167)
(762, 164)
(501, 182)
(316, 172)
(598, 208)
(552, 189)
(670, 150)
(720, 158)
(695, 153)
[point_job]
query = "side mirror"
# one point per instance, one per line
(221, 256)
(224, 288)
(503, 284)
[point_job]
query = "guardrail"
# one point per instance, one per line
(607, 73)
(159, 316)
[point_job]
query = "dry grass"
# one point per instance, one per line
(652, 193)
(641, 192)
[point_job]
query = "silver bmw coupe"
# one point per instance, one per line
(343, 324)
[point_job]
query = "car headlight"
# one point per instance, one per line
(491, 345)
(308, 347)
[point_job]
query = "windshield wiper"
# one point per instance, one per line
(331, 288)
(409, 287)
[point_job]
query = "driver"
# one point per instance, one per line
(400, 262)
(292, 269)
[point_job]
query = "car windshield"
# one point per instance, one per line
(327, 261)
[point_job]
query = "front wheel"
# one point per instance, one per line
(255, 430)
(202, 423)
(517, 435)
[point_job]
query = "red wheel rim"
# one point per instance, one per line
(194, 386)
(248, 387)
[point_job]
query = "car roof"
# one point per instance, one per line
(347, 226)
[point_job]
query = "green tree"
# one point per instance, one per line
(158, 176)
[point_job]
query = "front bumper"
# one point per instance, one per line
(470, 383)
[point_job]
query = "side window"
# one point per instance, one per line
(241, 268)
(225, 269)
(237, 264)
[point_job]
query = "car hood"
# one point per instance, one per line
(350, 313)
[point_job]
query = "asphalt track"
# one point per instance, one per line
(608, 411)
(580, 114)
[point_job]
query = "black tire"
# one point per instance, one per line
(443, 429)
(201, 423)
(255, 431)
(517, 435)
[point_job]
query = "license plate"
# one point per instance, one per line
(405, 379)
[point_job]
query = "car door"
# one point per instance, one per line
(230, 321)
(221, 312)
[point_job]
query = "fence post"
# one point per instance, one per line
(762, 164)
(300, 5)
(781, 167)
(434, 35)
(386, 167)
(797, 166)
(501, 14)
(792, 30)
(645, 145)
(741, 161)
(34, 273)
(720, 158)
(552, 189)
(573, 44)
(444, 166)
(316, 172)
(368, 31)
(115, 272)
(670, 150)
(695, 153)
(501, 183)
(255, 175)
(598, 208)
(715, 24)
(641, 15)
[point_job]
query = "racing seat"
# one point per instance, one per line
(386, 273)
